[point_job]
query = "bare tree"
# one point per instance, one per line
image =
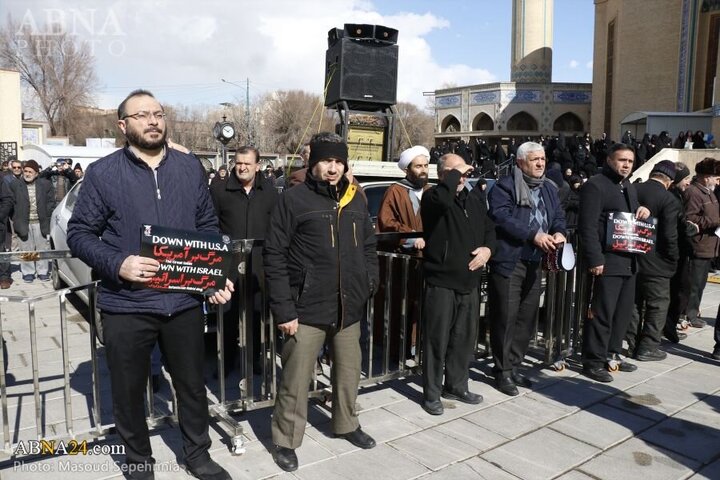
(412, 127)
(58, 67)
(291, 117)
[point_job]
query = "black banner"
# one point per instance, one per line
(192, 262)
(625, 233)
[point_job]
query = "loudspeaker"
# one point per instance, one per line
(361, 72)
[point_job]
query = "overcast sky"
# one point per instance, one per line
(181, 49)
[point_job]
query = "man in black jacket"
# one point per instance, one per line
(459, 239)
(655, 268)
(34, 202)
(243, 205)
(614, 272)
(321, 267)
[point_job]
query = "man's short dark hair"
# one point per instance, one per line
(245, 149)
(122, 113)
(617, 147)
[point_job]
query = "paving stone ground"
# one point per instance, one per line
(660, 422)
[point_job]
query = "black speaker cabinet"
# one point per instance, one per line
(361, 72)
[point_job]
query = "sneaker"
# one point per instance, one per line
(28, 278)
(44, 278)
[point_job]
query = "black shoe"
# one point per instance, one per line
(358, 438)
(715, 354)
(209, 470)
(671, 334)
(506, 386)
(521, 380)
(650, 355)
(626, 366)
(599, 374)
(140, 471)
(617, 363)
(285, 458)
(464, 397)
(698, 323)
(433, 408)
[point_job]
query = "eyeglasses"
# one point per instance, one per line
(18, 167)
(145, 116)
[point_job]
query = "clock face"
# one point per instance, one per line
(228, 131)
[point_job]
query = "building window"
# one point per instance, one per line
(568, 122)
(522, 121)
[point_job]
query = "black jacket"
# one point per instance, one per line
(454, 225)
(242, 216)
(602, 194)
(662, 260)
(45, 198)
(320, 258)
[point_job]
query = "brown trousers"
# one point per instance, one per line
(298, 360)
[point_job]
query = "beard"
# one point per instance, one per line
(417, 181)
(135, 138)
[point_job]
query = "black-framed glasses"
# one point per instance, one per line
(18, 167)
(145, 116)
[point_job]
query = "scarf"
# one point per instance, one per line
(523, 184)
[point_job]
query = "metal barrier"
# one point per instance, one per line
(392, 322)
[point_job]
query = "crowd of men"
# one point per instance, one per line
(28, 196)
(320, 265)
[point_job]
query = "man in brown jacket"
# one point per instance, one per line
(400, 212)
(701, 208)
(400, 207)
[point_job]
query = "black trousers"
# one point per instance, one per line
(129, 340)
(699, 269)
(612, 305)
(652, 297)
(513, 306)
(678, 293)
(449, 334)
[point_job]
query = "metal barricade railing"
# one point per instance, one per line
(393, 314)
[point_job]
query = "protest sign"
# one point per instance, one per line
(625, 233)
(189, 261)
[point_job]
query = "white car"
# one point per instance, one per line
(67, 271)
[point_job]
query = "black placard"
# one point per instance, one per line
(625, 233)
(192, 262)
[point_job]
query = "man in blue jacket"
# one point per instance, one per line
(529, 222)
(147, 183)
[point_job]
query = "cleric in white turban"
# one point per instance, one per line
(410, 154)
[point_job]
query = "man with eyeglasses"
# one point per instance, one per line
(147, 183)
(459, 239)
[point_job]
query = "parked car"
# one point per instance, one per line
(67, 271)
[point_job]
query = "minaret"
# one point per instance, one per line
(532, 30)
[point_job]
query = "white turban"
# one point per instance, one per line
(409, 155)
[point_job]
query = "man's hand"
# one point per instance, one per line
(138, 269)
(559, 238)
(419, 243)
(481, 255)
(178, 147)
(223, 296)
(289, 328)
(544, 242)
(642, 213)
(597, 271)
(464, 168)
